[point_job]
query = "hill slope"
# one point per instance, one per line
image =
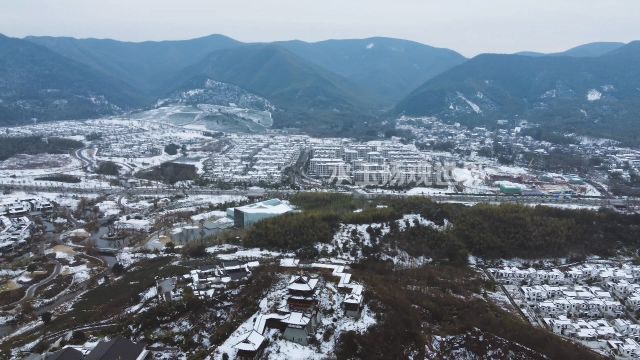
(597, 96)
(144, 65)
(591, 49)
(389, 68)
(38, 83)
(305, 95)
(586, 50)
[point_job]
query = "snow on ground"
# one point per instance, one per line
(151, 293)
(209, 215)
(428, 191)
(329, 301)
(500, 299)
(224, 248)
(473, 179)
(127, 257)
(568, 206)
(196, 159)
(279, 348)
(179, 229)
(246, 253)
(210, 199)
(108, 208)
(67, 200)
(200, 127)
(349, 240)
(24, 278)
(591, 190)
(227, 346)
(10, 273)
(28, 177)
(80, 273)
(142, 162)
(59, 163)
(510, 184)
(411, 219)
(506, 170)
(62, 252)
(594, 95)
(132, 223)
(471, 104)
(138, 205)
(5, 319)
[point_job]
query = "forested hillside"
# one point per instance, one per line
(487, 231)
(37, 83)
(595, 95)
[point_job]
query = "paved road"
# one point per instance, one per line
(445, 197)
(85, 328)
(87, 163)
(31, 290)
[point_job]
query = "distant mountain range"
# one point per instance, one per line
(326, 87)
(346, 87)
(388, 68)
(586, 50)
(589, 95)
(144, 65)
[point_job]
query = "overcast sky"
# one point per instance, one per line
(467, 26)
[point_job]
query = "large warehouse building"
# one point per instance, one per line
(244, 216)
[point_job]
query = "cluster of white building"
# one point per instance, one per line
(18, 207)
(15, 226)
(619, 337)
(145, 140)
(254, 158)
(587, 302)
(373, 162)
(574, 300)
(14, 233)
(600, 272)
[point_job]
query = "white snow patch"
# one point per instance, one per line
(471, 104)
(594, 95)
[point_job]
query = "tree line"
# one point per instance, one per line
(412, 306)
(489, 231)
(31, 145)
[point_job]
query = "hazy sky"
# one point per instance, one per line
(468, 26)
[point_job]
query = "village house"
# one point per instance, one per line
(251, 346)
(300, 326)
(301, 290)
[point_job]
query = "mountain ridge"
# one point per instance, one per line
(37, 83)
(145, 65)
(588, 95)
(297, 88)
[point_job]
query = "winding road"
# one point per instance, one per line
(31, 290)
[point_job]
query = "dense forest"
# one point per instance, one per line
(65, 178)
(108, 168)
(170, 172)
(292, 231)
(11, 146)
(487, 231)
(414, 305)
